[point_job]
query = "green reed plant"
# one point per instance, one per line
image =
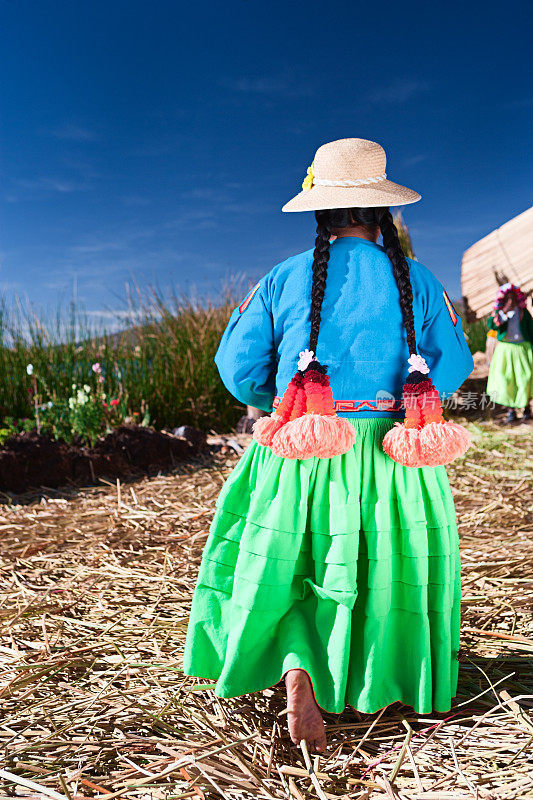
(476, 335)
(160, 366)
(404, 235)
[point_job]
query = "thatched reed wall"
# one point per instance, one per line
(504, 255)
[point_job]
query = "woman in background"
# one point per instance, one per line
(510, 381)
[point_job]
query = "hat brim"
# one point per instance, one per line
(386, 193)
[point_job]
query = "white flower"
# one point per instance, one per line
(418, 364)
(71, 402)
(306, 356)
(87, 388)
(29, 369)
(49, 404)
(81, 397)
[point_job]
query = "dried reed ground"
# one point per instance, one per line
(96, 589)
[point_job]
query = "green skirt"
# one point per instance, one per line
(510, 381)
(346, 567)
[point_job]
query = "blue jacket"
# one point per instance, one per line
(362, 338)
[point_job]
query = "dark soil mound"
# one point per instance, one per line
(32, 459)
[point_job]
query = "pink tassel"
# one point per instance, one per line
(264, 428)
(403, 445)
(425, 439)
(441, 442)
(320, 435)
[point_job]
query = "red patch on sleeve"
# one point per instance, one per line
(246, 302)
(450, 308)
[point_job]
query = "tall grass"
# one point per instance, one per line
(404, 234)
(476, 335)
(163, 364)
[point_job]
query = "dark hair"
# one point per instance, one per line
(371, 218)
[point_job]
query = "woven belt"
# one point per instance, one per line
(354, 405)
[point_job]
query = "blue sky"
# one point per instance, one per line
(157, 141)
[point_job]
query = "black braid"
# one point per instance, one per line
(400, 268)
(320, 271)
(371, 218)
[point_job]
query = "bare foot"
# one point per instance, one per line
(304, 717)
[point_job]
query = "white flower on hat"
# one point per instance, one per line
(306, 356)
(418, 364)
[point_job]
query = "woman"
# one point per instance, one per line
(510, 380)
(328, 562)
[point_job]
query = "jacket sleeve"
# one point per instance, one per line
(442, 342)
(246, 355)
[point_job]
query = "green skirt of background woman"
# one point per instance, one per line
(346, 567)
(510, 381)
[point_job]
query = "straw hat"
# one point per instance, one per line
(349, 173)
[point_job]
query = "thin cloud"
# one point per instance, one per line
(134, 315)
(97, 247)
(194, 220)
(523, 102)
(231, 198)
(266, 86)
(399, 91)
(74, 133)
(135, 200)
(410, 162)
(43, 187)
